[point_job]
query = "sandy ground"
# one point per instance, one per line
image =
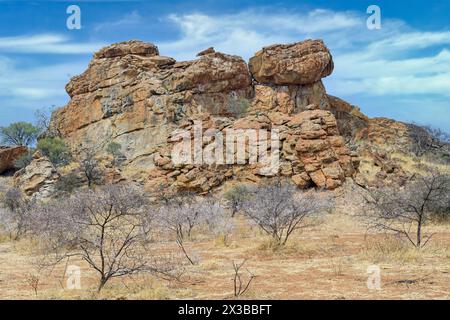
(327, 262)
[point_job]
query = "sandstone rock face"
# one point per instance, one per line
(387, 132)
(299, 63)
(352, 123)
(38, 178)
(132, 96)
(8, 155)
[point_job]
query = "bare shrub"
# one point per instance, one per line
(240, 285)
(16, 213)
(179, 215)
(426, 139)
(280, 208)
(90, 167)
(220, 223)
(235, 198)
(105, 228)
(406, 211)
(33, 281)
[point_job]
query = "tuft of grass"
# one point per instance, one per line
(392, 249)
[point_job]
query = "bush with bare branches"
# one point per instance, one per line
(181, 214)
(279, 209)
(426, 139)
(406, 211)
(15, 216)
(235, 198)
(105, 228)
(240, 285)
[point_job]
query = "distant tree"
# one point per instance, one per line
(19, 133)
(55, 149)
(406, 211)
(43, 118)
(426, 139)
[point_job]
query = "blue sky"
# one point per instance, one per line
(401, 71)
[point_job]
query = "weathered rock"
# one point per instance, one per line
(290, 99)
(38, 179)
(127, 47)
(352, 123)
(132, 96)
(299, 63)
(8, 155)
(206, 51)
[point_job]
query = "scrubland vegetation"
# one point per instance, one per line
(266, 241)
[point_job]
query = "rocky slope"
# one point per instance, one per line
(133, 96)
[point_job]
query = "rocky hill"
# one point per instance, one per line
(132, 96)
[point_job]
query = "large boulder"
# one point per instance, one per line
(38, 179)
(9, 155)
(299, 63)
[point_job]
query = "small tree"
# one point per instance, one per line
(279, 209)
(235, 198)
(406, 211)
(239, 284)
(43, 117)
(55, 149)
(180, 214)
(114, 149)
(19, 133)
(105, 228)
(90, 167)
(16, 216)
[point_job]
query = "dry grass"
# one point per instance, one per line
(326, 262)
(418, 165)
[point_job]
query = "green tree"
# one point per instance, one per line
(19, 133)
(114, 149)
(235, 198)
(55, 149)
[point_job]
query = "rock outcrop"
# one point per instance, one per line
(133, 96)
(298, 63)
(38, 179)
(9, 155)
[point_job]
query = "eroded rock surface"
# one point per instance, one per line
(38, 179)
(8, 155)
(133, 96)
(303, 62)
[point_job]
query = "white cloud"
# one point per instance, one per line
(246, 32)
(130, 19)
(397, 61)
(373, 63)
(46, 43)
(36, 86)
